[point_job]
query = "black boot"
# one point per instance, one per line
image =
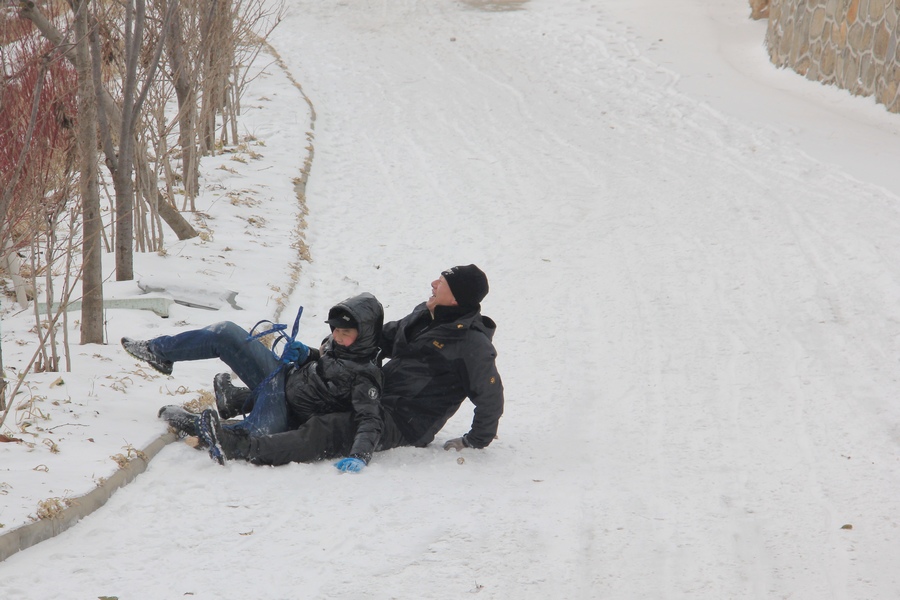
(182, 421)
(140, 349)
(231, 400)
(224, 444)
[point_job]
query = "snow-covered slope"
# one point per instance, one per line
(697, 326)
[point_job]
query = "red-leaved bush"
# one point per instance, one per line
(37, 126)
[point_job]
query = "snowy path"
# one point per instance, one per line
(709, 297)
(698, 331)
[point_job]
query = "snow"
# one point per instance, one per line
(694, 266)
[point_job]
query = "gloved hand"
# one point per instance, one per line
(296, 352)
(350, 465)
(457, 444)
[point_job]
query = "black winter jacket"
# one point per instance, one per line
(434, 365)
(345, 379)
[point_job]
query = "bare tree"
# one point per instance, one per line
(216, 53)
(2, 374)
(209, 45)
(121, 164)
(92, 277)
(186, 93)
(37, 97)
(111, 116)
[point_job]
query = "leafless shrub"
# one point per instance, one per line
(166, 79)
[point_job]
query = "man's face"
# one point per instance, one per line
(440, 294)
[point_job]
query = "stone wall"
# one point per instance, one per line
(848, 43)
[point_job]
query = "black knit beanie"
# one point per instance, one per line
(468, 284)
(341, 318)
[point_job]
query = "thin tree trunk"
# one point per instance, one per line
(14, 268)
(186, 93)
(122, 182)
(214, 51)
(2, 372)
(147, 194)
(132, 105)
(174, 219)
(67, 283)
(92, 279)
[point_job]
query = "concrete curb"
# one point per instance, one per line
(33, 533)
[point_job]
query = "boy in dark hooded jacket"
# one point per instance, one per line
(344, 375)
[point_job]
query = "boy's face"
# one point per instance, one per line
(344, 336)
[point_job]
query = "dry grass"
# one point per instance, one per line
(204, 400)
(52, 507)
(130, 454)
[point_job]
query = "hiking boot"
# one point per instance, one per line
(231, 400)
(140, 349)
(182, 421)
(224, 444)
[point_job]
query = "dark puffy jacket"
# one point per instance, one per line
(345, 379)
(434, 365)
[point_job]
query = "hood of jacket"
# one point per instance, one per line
(369, 316)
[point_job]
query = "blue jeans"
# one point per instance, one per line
(249, 359)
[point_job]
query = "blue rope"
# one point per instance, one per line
(280, 337)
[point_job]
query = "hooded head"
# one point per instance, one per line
(363, 313)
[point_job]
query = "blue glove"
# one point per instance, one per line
(350, 465)
(296, 352)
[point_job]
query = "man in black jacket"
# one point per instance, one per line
(440, 354)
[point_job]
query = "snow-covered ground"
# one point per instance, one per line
(694, 263)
